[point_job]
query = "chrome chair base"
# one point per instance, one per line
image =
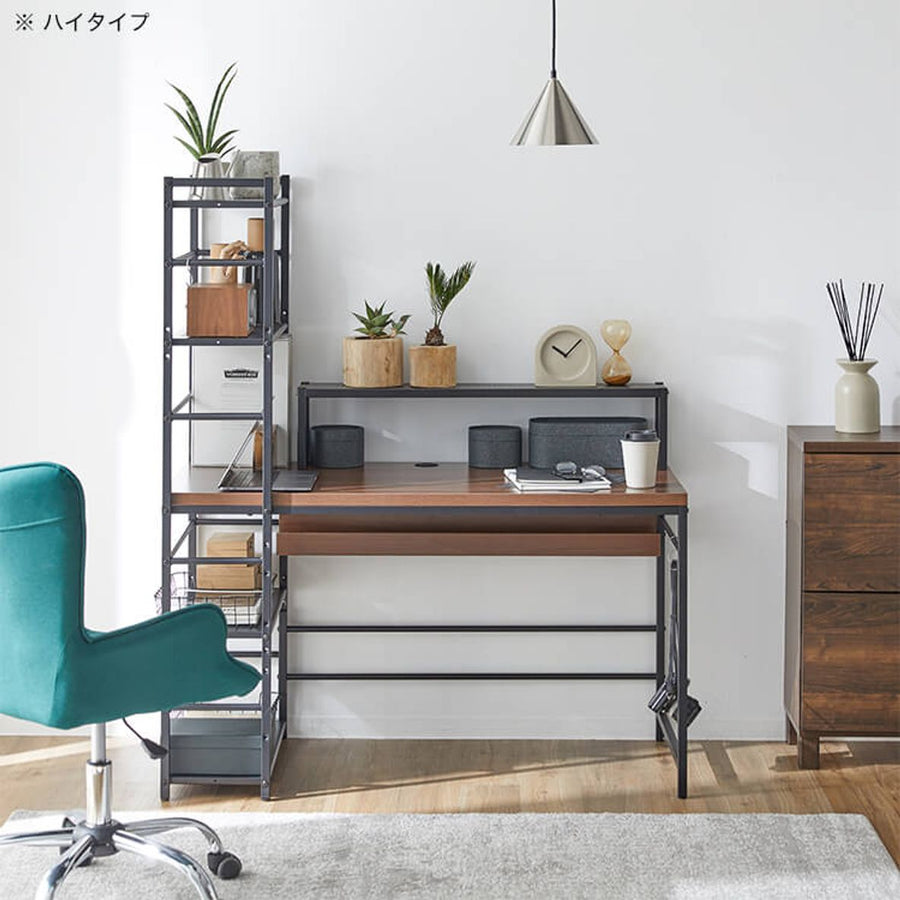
(79, 843)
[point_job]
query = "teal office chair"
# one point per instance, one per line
(56, 672)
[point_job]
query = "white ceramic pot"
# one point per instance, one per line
(857, 407)
(209, 166)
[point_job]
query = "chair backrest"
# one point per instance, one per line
(41, 583)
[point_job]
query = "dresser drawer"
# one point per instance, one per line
(850, 668)
(876, 474)
(851, 522)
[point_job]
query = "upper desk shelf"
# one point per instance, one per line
(656, 391)
(477, 389)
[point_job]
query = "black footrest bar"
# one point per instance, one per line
(471, 676)
(466, 629)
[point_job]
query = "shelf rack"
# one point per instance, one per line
(657, 391)
(273, 323)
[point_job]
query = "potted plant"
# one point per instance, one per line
(206, 146)
(433, 364)
(375, 358)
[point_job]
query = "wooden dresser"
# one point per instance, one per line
(842, 609)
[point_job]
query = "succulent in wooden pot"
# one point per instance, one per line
(374, 358)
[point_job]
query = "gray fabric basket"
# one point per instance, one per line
(337, 446)
(584, 440)
(495, 446)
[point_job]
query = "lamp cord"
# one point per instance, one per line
(553, 45)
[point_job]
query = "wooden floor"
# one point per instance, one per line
(487, 776)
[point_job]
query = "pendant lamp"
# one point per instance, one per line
(553, 119)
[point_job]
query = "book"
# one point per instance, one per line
(526, 478)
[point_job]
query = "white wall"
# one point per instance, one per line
(748, 153)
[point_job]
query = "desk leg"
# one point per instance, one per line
(283, 644)
(660, 615)
(302, 428)
(682, 653)
(661, 414)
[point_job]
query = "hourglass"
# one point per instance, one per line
(615, 332)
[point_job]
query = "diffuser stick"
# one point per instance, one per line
(856, 334)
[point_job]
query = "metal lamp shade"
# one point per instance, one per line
(553, 120)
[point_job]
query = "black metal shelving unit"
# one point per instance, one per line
(273, 322)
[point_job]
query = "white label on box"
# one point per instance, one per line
(229, 379)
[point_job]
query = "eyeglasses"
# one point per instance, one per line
(572, 472)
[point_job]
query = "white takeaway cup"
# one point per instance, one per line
(640, 453)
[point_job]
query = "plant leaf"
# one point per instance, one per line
(193, 118)
(184, 123)
(188, 147)
(442, 290)
(218, 98)
(222, 142)
(458, 280)
(397, 326)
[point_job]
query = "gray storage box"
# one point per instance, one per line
(582, 439)
(337, 446)
(495, 446)
(215, 746)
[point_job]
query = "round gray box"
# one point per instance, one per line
(495, 446)
(337, 446)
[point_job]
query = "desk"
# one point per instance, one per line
(449, 509)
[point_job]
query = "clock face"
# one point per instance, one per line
(566, 355)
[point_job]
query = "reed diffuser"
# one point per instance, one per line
(857, 407)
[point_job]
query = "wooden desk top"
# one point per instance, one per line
(405, 485)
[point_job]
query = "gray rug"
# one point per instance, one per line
(500, 856)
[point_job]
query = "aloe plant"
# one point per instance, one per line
(204, 142)
(441, 291)
(376, 323)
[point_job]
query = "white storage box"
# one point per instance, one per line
(230, 379)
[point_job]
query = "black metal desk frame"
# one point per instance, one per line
(674, 732)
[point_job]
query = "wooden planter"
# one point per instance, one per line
(432, 366)
(373, 362)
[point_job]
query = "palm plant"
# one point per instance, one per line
(205, 142)
(441, 291)
(376, 323)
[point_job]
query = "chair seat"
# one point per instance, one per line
(158, 664)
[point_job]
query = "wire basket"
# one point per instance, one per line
(239, 607)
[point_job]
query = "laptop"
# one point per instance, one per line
(241, 478)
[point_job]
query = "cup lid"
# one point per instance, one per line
(643, 435)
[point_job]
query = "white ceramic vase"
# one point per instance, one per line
(857, 408)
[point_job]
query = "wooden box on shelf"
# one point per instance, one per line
(212, 577)
(230, 543)
(842, 624)
(220, 310)
(225, 577)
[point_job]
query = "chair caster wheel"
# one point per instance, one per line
(225, 865)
